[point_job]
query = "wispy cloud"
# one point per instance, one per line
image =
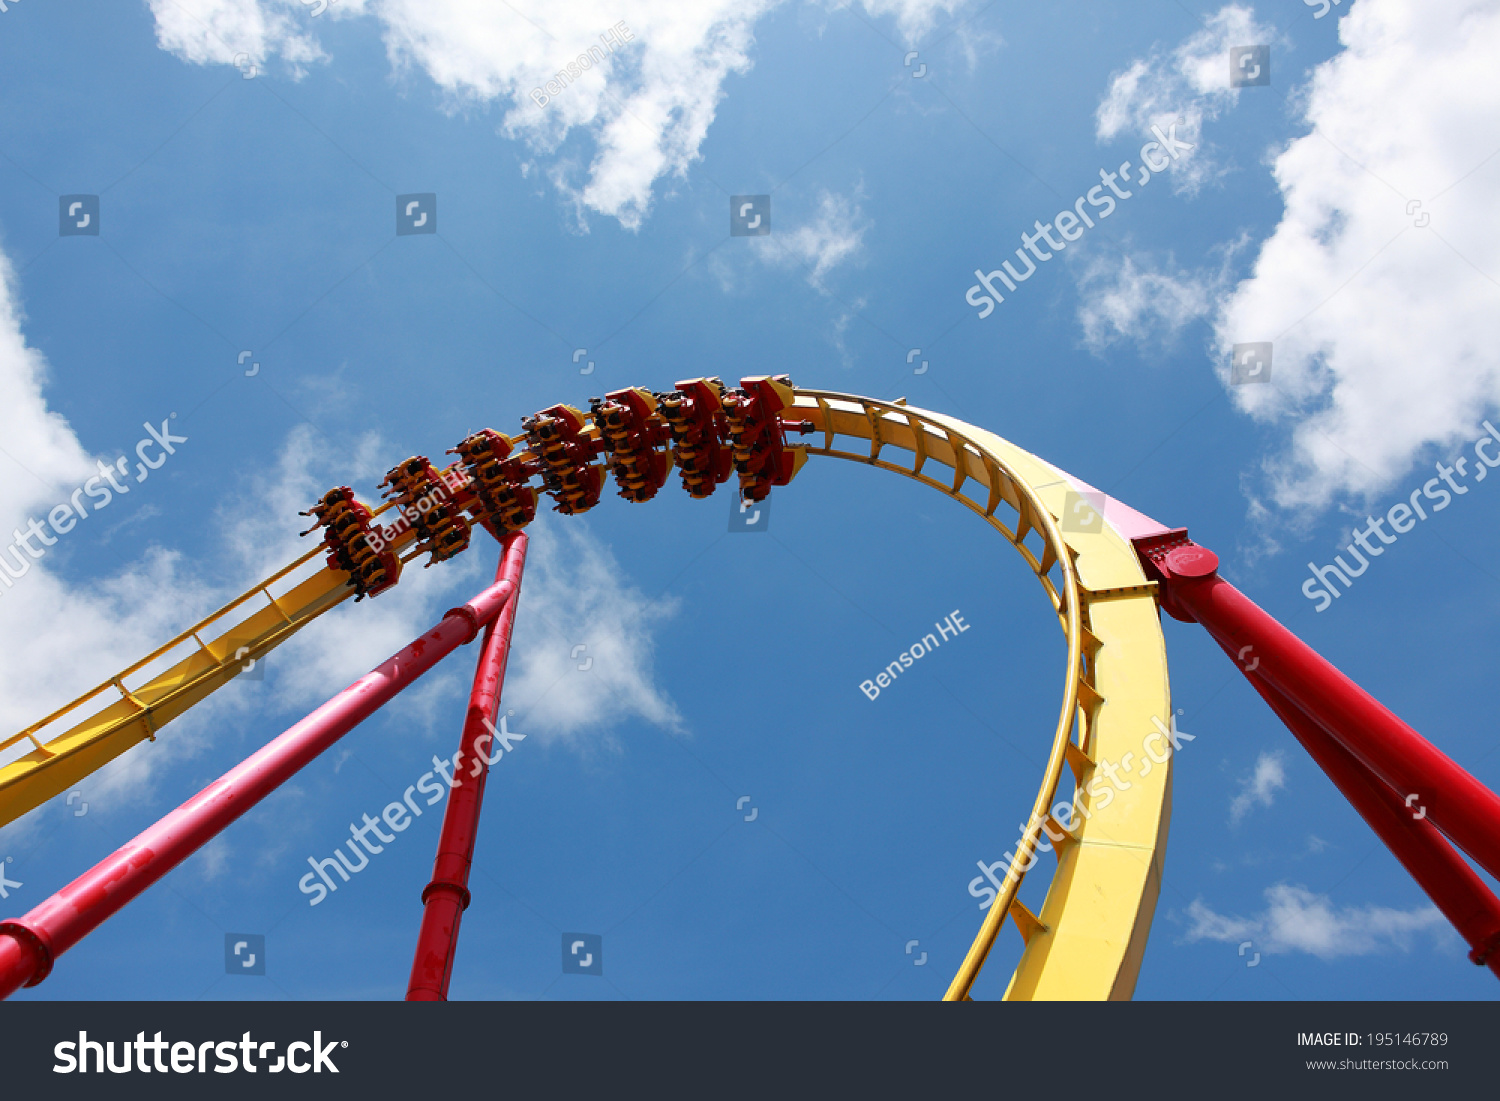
(833, 236)
(1296, 920)
(1189, 82)
(1260, 787)
(583, 659)
(237, 31)
(1142, 301)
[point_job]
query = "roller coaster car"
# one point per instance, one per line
(429, 506)
(556, 437)
(498, 481)
(484, 446)
(335, 505)
(694, 414)
(761, 453)
(632, 435)
(347, 534)
(575, 489)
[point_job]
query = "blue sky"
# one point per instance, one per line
(258, 214)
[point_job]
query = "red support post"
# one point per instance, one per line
(30, 945)
(1381, 764)
(1454, 887)
(445, 899)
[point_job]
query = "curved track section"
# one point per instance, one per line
(1090, 934)
(1105, 794)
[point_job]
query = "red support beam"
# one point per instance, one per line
(29, 946)
(445, 899)
(1380, 763)
(1454, 887)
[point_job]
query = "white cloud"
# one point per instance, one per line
(914, 18)
(43, 455)
(647, 105)
(1296, 920)
(1190, 82)
(213, 859)
(1121, 300)
(1383, 331)
(1260, 787)
(221, 31)
(577, 611)
(834, 236)
(841, 328)
(63, 640)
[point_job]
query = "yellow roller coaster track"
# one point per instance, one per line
(1088, 938)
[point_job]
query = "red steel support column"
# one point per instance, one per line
(29, 946)
(445, 899)
(1423, 851)
(1457, 803)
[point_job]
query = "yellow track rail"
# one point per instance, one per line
(1088, 939)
